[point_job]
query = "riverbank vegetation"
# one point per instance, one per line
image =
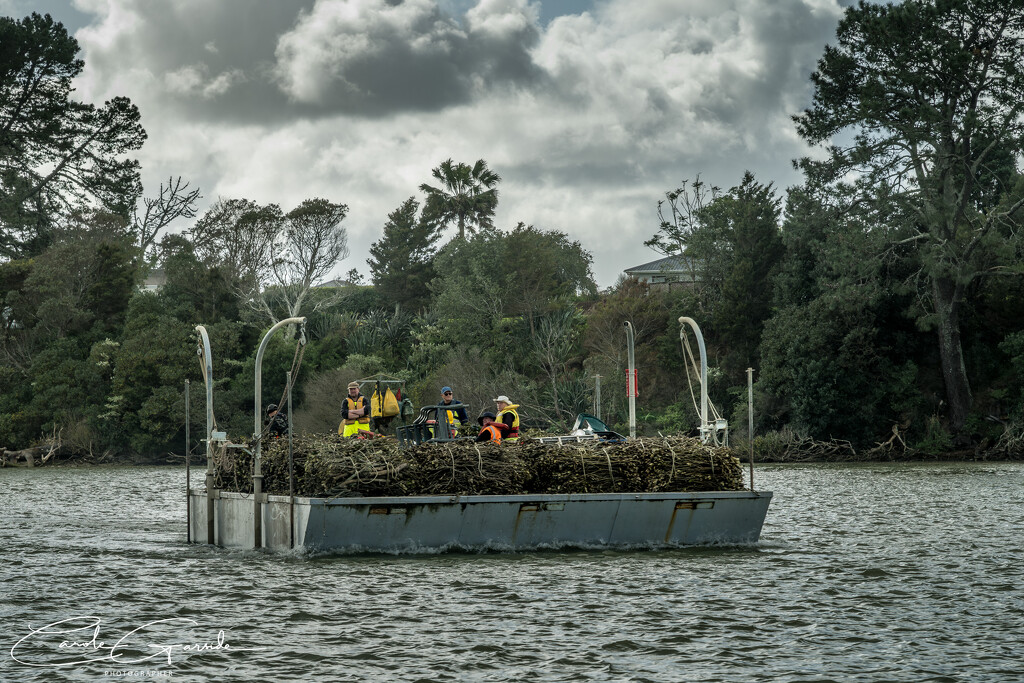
(879, 302)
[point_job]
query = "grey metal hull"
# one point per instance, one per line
(520, 522)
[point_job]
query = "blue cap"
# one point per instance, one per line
(445, 390)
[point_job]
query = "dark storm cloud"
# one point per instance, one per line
(791, 37)
(206, 60)
(376, 57)
(224, 61)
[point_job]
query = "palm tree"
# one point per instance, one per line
(467, 195)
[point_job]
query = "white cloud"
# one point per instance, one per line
(589, 120)
(194, 80)
(503, 19)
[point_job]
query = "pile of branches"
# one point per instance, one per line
(788, 446)
(1010, 445)
(639, 465)
(326, 465)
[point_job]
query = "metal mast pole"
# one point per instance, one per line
(291, 469)
(750, 421)
(705, 430)
(188, 474)
(257, 471)
(204, 351)
(631, 380)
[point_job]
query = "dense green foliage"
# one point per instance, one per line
(834, 291)
(56, 154)
(930, 91)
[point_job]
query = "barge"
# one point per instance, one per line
(413, 524)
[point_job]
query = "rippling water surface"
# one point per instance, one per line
(863, 573)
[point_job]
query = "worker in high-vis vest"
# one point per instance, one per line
(456, 410)
(489, 431)
(507, 419)
(355, 412)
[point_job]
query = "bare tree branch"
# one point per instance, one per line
(174, 201)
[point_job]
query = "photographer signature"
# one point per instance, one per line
(80, 643)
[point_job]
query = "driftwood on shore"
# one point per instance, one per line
(786, 446)
(27, 457)
(327, 465)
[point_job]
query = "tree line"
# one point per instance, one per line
(880, 295)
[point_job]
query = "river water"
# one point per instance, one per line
(887, 572)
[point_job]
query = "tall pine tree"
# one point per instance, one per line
(57, 155)
(402, 260)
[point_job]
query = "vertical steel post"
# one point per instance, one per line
(750, 421)
(188, 474)
(257, 471)
(704, 427)
(380, 405)
(291, 469)
(631, 380)
(204, 351)
(597, 396)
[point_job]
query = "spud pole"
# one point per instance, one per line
(291, 469)
(750, 421)
(257, 471)
(188, 475)
(631, 380)
(207, 366)
(704, 427)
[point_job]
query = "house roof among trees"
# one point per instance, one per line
(335, 283)
(668, 264)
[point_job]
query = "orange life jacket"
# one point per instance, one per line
(494, 432)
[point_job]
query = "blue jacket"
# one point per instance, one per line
(458, 408)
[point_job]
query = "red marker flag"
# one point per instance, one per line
(632, 388)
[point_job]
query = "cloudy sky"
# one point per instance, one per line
(590, 110)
